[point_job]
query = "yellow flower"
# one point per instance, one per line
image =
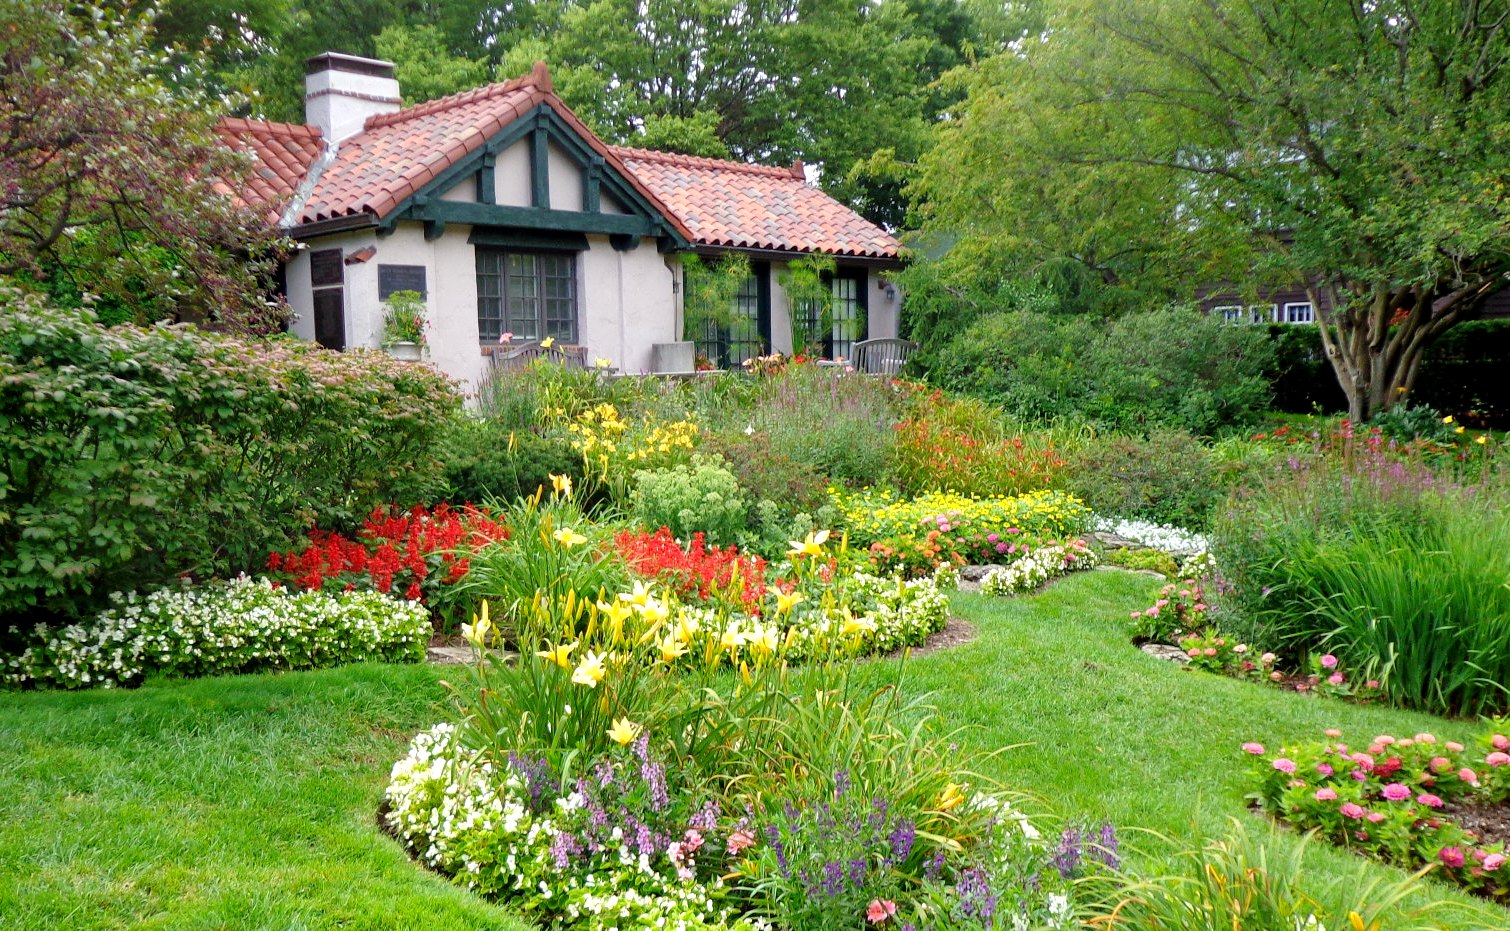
(624, 731)
(602, 363)
(617, 613)
(653, 611)
(1447, 419)
(811, 545)
(560, 655)
(1460, 429)
(640, 596)
(764, 639)
(1481, 439)
(855, 625)
(590, 671)
(686, 626)
(952, 797)
(568, 537)
(562, 484)
(548, 342)
(476, 633)
(731, 639)
(785, 602)
(670, 648)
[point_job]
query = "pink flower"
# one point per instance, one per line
(1425, 739)
(1284, 765)
(1384, 740)
(1329, 661)
(1493, 862)
(1429, 800)
(1364, 761)
(1376, 816)
(1276, 676)
(1468, 776)
(1371, 684)
(1256, 749)
(879, 910)
(1497, 759)
(1211, 651)
(1396, 792)
(1333, 732)
(1325, 769)
(1336, 678)
(1240, 648)
(1451, 857)
(1193, 652)
(1267, 658)
(506, 337)
(1326, 795)
(1453, 746)
(1351, 810)
(1500, 742)
(740, 840)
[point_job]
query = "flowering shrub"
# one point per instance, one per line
(1212, 652)
(1391, 800)
(917, 534)
(702, 498)
(242, 626)
(933, 456)
(1038, 567)
(619, 846)
(1165, 537)
(612, 449)
(696, 570)
(411, 551)
(1180, 609)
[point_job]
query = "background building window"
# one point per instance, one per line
(1232, 313)
(529, 294)
(1300, 312)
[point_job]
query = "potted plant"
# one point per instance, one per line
(404, 325)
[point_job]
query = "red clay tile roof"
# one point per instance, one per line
(283, 154)
(743, 206)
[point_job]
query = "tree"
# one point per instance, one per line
(1356, 149)
(113, 188)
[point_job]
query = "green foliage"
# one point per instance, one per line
(245, 625)
(1146, 560)
(1407, 422)
(696, 134)
(710, 289)
(703, 497)
(838, 427)
(1386, 565)
(1167, 368)
(484, 461)
(1170, 478)
(404, 318)
(425, 66)
(134, 455)
(810, 302)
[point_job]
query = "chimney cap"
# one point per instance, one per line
(352, 64)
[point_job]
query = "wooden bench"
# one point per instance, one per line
(882, 356)
(516, 356)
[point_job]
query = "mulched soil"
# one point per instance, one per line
(1491, 823)
(956, 631)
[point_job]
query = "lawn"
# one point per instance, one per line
(248, 802)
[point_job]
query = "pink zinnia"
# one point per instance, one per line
(1493, 862)
(1453, 746)
(1325, 769)
(1336, 678)
(1500, 742)
(1497, 759)
(1384, 740)
(1267, 658)
(1329, 661)
(1440, 763)
(879, 910)
(1256, 749)
(1451, 857)
(1326, 795)
(1468, 775)
(1396, 792)
(1333, 732)
(1425, 739)
(1284, 765)
(1429, 800)
(1350, 810)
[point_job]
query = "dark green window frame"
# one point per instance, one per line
(531, 295)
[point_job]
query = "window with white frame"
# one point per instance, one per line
(1232, 313)
(1263, 313)
(1299, 312)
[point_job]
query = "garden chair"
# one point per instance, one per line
(882, 356)
(511, 358)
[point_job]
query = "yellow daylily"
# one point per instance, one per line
(952, 797)
(568, 537)
(602, 363)
(811, 545)
(1481, 439)
(624, 731)
(617, 613)
(654, 611)
(671, 649)
(764, 639)
(590, 671)
(562, 484)
(560, 655)
(640, 596)
(1460, 429)
(855, 625)
(785, 602)
(548, 342)
(686, 626)
(476, 633)
(731, 639)
(1447, 419)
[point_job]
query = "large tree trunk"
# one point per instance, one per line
(1374, 336)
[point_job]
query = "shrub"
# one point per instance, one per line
(1170, 477)
(839, 427)
(133, 455)
(1141, 560)
(485, 462)
(703, 498)
(932, 456)
(245, 625)
(769, 474)
(1385, 564)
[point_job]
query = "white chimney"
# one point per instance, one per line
(342, 91)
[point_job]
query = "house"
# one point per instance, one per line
(510, 216)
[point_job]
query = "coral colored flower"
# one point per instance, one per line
(1384, 740)
(1451, 857)
(1453, 746)
(1326, 795)
(1333, 732)
(879, 910)
(1396, 792)
(1350, 810)
(1267, 658)
(1284, 765)
(1497, 759)
(740, 840)
(1425, 739)
(1256, 749)
(1376, 816)
(1440, 764)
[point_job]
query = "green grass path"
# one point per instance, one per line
(248, 802)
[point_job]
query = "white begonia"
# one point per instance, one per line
(1166, 537)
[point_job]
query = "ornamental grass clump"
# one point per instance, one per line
(244, 625)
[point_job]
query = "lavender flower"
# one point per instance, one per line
(901, 839)
(833, 879)
(841, 783)
(773, 839)
(564, 846)
(1066, 858)
(975, 896)
(1106, 846)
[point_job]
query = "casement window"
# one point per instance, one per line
(746, 332)
(1232, 313)
(1299, 312)
(835, 337)
(529, 294)
(1253, 313)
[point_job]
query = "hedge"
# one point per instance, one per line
(130, 456)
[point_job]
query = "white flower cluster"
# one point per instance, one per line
(240, 626)
(890, 612)
(1200, 566)
(470, 820)
(1036, 568)
(1166, 537)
